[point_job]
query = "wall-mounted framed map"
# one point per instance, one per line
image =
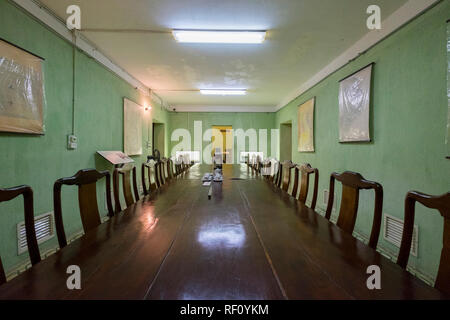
(22, 97)
(354, 106)
(306, 126)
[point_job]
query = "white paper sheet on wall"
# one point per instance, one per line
(132, 127)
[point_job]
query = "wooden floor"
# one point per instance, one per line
(250, 241)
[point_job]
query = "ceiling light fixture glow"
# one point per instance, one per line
(219, 36)
(223, 92)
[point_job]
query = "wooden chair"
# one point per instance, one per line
(156, 174)
(306, 170)
(166, 167)
(255, 164)
(442, 204)
(177, 168)
(266, 168)
(180, 165)
(33, 249)
(170, 174)
(352, 182)
(86, 180)
(162, 171)
(286, 174)
(277, 173)
(252, 163)
(126, 171)
(258, 165)
(185, 163)
(149, 168)
(174, 168)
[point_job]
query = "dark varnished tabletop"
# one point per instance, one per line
(250, 241)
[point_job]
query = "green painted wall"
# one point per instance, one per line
(39, 160)
(409, 111)
(245, 121)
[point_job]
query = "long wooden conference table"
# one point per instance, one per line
(250, 241)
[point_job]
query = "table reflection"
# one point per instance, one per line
(221, 235)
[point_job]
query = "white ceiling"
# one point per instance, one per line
(303, 37)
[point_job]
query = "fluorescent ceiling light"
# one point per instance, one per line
(219, 92)
(219, 36)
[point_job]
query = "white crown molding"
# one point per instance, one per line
(193, 108)
(40, 12)
(396, 20)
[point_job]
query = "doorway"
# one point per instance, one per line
(226, 147)
(158, 138)
(286, 141)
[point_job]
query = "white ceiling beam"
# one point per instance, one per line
(396, 20)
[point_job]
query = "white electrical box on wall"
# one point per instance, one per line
(72, 142)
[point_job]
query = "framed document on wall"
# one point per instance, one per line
(306, 126)
(354, 106)
(22, 98)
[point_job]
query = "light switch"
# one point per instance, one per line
(72, 142)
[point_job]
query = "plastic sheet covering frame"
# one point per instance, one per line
(354, 106)
(22, 93)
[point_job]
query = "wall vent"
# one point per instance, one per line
(44, 227)
(393, 232)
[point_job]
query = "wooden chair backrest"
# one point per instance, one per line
(33, 249)
(442, 204)
(126, 171)
(286, 174)
(170, 174)
(302, 173)
(148, 168)
(266, 168)
(162, 167)
(352, 182)
(86, 180)
(276, 179)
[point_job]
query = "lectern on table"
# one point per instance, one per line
(117, 158)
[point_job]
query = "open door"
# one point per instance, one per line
(158, 138)
(286, 141)
(226, 145)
